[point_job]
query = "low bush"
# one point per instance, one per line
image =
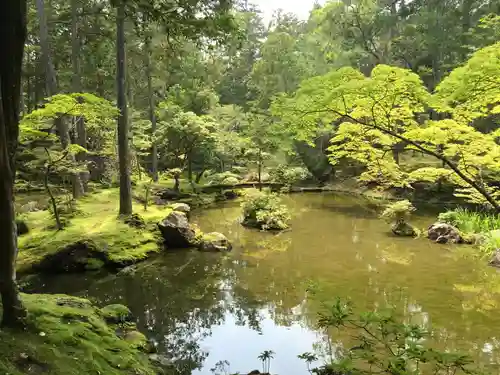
(225, 178)
(265, 210)
(289, 175)
(398, 214)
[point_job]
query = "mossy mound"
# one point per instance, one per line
(113, 242)
(69, 336)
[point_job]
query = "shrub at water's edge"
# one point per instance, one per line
(264, 210)
(68, 336)
(397, 214)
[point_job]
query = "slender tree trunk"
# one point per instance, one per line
(29, 94)
(81, 130)
(13, 35)
(46, 56)
(152, 105)
(123, 125)
(51, 89)
(260, 169)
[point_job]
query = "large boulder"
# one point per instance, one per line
(176, 231)
(444, 233)
(403, 229)
(215, 242)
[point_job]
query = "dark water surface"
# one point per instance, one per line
(202, 308)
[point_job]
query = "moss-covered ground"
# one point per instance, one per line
(96, 221)
(68, 335)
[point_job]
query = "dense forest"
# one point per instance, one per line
(114, 109)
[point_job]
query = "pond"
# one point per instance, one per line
(201, 308)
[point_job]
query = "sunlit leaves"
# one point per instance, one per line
(378, 115)
(472, 91)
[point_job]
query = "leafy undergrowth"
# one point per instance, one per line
(68, 335)
(97, 222)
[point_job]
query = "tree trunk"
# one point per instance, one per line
(152, 105)
(123, 126)
(13, 35)
(46, 56)
(199, 176)
(81, 130)
(260, 169)
(51, 89)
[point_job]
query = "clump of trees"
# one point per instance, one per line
(378, 117)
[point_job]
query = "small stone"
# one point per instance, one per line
(181, 207)
(215, 242)
(43, 334)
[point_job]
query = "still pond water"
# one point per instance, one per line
(203, 308)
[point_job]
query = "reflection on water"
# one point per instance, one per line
(202, 308)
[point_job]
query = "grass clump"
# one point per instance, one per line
(68, 335)
(98, 223)
(471, 221)
(265, 210)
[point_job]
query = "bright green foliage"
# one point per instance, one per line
(265, 211)
(289, 175)
(69, 336)
(472, 91)
(382, 113)
(185, 138)
(398, 211)
(97, 112)
(382, 344)
(225, 178)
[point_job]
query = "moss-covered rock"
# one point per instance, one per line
(114, 314)
(69, 336)
(76, 257)
(215, 242)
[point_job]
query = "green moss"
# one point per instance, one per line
(136, 339)
(68, 335)
(94, 264)
(99, 223)
(116, 314)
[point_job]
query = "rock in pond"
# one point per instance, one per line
(78, 257)
(176, 231)
(116, 314)
(403, 229)
(495, 259)
(215, 242)
(181, 207)
(444, 233)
